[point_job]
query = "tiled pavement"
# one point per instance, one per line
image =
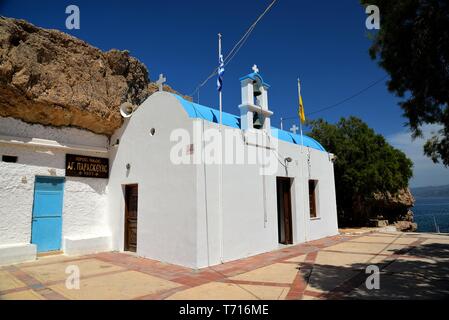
(412, 265)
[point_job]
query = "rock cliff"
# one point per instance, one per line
(52, 78)
(396, 208)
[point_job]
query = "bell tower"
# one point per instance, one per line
(254, 112)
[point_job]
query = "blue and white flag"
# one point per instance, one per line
(220, 72)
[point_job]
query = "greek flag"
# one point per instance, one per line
(220, 72)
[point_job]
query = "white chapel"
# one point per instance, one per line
(174, 184)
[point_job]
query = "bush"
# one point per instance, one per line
(366, 164)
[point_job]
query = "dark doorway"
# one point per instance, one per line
(131, 199)
(312, 198)
(283, 186)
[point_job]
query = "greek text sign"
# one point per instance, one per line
(86, 166)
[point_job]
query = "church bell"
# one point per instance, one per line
(257, 91)
(257, 124)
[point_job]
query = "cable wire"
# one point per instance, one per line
(236, 47)
(342, 101)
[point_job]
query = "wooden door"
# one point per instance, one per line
(284, 210)
(131, 200)
(312, 198)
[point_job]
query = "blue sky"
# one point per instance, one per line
(324, 43)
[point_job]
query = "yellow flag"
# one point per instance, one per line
(302, 116)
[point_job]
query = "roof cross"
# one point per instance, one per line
(255, 69)
(160, 82)
(294, 128)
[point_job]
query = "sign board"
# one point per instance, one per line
(86, 166)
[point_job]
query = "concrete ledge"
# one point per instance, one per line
(16, 253)
(74, 246)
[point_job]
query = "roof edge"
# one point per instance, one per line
(195, 110)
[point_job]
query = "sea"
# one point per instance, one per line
(432, 214)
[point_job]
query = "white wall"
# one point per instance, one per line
(84, 210)
(322, 169)
(245, 231)
(178, 207)
(166, 227)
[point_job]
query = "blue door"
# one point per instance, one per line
(46, 227)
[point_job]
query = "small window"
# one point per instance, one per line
(312, 198)
(12, 159)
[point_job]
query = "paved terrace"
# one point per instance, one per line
(412, 265)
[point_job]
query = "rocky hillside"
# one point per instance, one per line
(393, 208)
(52, 78)
(396, 208)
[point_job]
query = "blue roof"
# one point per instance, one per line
(195, 110)
(253, 76)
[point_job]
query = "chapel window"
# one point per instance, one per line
(313, 186)
(12, 159)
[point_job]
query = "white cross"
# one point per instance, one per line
(294, 128)
(161, 82)
(255, 69)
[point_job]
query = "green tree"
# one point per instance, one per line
(365, 164)
(412, 45)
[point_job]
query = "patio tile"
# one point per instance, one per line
(391, 234)
(341, 259)
(405, 240)
(278, 273)
(379, 259)
(395, 249)
(50, 259)
(8, 281)
(414, 266)
(373, 239)
(386, 234)
(324, 278)
(410, 265)
(123, 285)
(57, 271)
(402, 287)
(22, 295)
(437, 241)
(357, 247)
(430, 235)
(300, 258)
(266, 292)
(226, 291)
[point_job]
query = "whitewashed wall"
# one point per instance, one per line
(321, 169)
(166, 227)
(178, 206)
(246, 231)
(85, 201)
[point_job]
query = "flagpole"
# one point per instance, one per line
(219, 92)
(220, 173)
(302, 146)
